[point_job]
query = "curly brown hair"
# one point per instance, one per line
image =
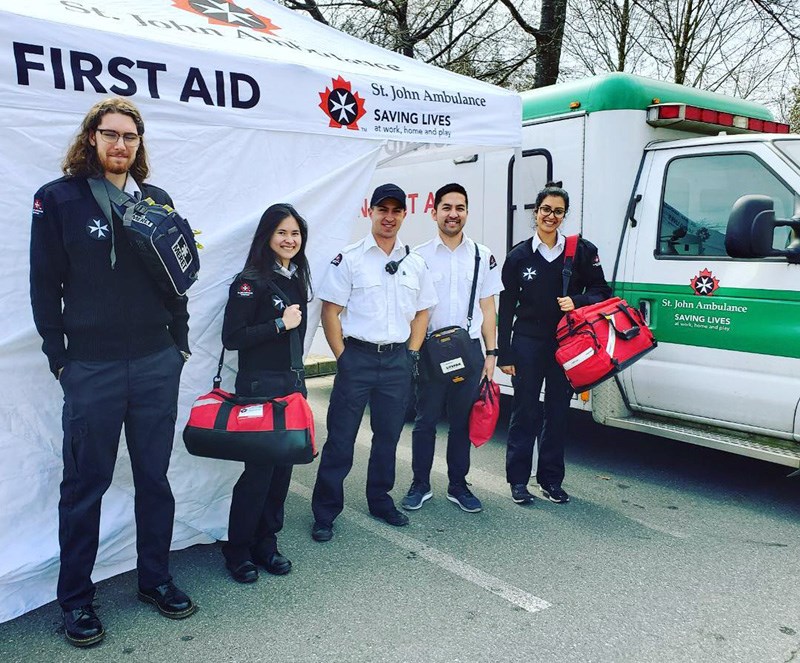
(81, 158)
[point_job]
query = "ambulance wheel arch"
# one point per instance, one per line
(725, 326)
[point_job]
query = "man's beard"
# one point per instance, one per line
(115, 166)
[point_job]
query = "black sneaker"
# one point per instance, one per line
(418, 494)
(520, 493)
(555, 494)
(462, 496)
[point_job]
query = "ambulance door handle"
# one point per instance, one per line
(644, 309)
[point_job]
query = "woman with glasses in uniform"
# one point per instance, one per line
(531, 305)
(258, 323)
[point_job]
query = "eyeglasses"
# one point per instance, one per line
(558, 212)
(111, 137)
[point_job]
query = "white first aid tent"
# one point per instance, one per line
(244, 105)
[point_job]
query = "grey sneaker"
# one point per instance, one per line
(418, 494)
(462, 496)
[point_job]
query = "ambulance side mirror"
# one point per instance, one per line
(751, 229)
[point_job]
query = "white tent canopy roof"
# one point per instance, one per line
(265, 66)
(243, 108)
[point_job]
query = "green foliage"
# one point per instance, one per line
(794, 109)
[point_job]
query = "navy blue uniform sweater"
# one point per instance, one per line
(530, 286)
(84, 309)
(249, 324)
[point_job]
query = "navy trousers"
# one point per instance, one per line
(259, 496)
(382, 379)
(99, 398)
(432, 396)
(535, 363)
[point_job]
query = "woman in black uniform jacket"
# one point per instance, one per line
(257, 324)
(531, 304)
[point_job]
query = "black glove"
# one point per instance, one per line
(414, 354)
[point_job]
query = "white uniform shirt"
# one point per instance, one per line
(452, 273)
(378, 306)
(132, 188)
(548, 253)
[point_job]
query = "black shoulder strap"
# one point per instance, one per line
(474, 286)
(294, 344)
(294, 335)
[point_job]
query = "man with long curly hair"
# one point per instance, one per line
(116, 343)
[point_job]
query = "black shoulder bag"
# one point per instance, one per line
(448, 351)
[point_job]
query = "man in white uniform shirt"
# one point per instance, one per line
(451, 258)
(375, 301)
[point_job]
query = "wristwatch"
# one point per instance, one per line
(279, 325)
(491, 353)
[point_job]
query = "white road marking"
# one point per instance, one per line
(465, 571)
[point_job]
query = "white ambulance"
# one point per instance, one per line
(654, 171)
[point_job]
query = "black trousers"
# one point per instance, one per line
(432, 396)
(382, 379)
(99, 397)
(535, 363)
(259, 496)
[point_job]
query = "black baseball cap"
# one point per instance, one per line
(385, 191)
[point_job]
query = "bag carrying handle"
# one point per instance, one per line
(485, 392)
(628, 334)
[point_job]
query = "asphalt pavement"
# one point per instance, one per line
(667, 552)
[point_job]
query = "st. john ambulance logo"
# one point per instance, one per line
(705, 283)
(343, 107)
(98, 229)
(227, 12)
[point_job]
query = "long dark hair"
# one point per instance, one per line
(261, 258)
(81, 158)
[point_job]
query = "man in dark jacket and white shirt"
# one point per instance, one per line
(117, 344)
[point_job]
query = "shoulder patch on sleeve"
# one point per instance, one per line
(492, 262)
(337, 260)
(38, 206)
(245, 290)
(596, 262)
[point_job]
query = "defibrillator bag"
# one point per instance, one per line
(447, 352)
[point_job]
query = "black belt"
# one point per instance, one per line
(374, 347)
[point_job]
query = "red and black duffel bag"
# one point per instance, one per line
(598, 341)
(266, 431)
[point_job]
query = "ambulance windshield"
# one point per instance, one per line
(791, 148)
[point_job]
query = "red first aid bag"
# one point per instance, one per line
(598, 341)
(267, 431)
(485, 413)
